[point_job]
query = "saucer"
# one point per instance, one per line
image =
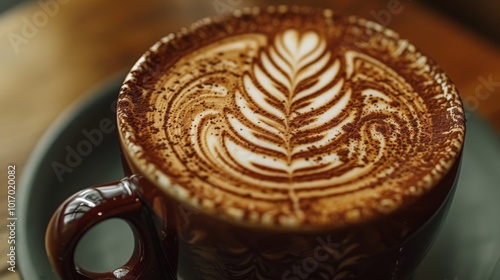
(467, 247)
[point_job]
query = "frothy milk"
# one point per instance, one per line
(291, 117)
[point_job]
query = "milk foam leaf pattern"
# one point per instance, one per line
(291, 89)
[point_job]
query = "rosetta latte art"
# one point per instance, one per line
(272, 128)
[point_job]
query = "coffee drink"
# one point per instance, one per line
(279, 143)
(291, 143)
(292, 119)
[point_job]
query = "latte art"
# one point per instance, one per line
(281, 128)
(294, 127)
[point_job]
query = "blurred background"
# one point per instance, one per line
(483, 16)
(53, 52)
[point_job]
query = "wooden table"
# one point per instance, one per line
(52, 55)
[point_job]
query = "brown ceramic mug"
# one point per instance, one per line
(278, 143)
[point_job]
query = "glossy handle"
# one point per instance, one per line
(90, 206)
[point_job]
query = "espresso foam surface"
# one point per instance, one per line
(290, 117)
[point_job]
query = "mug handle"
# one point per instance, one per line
(90, 206)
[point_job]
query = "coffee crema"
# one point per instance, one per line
(291, 117)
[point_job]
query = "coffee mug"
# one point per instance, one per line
(276, 143)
